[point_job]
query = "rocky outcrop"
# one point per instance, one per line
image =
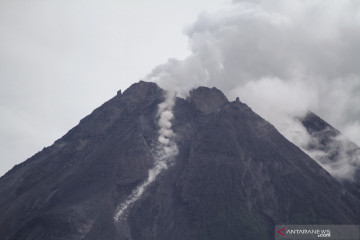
(207, 100)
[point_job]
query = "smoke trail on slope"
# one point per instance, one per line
(163, 154)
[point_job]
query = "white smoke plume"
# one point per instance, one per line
(281, 57)
(163, 154)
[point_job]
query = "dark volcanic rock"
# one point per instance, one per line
(71, 188)
(235, 176)
(207, 100)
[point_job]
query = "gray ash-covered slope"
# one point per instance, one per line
(334, 150)
(235, 176)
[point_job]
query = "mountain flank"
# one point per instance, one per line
(235, 176)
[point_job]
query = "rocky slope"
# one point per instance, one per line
(235, 176)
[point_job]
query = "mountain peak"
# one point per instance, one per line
(207, 100)
(142, 90)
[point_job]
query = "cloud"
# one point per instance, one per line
(280, 57)
(335, 153)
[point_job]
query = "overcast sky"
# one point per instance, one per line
(61, 59)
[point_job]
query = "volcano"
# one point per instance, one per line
(234, 176)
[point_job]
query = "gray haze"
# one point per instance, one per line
(282, 58)
(59, 60)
